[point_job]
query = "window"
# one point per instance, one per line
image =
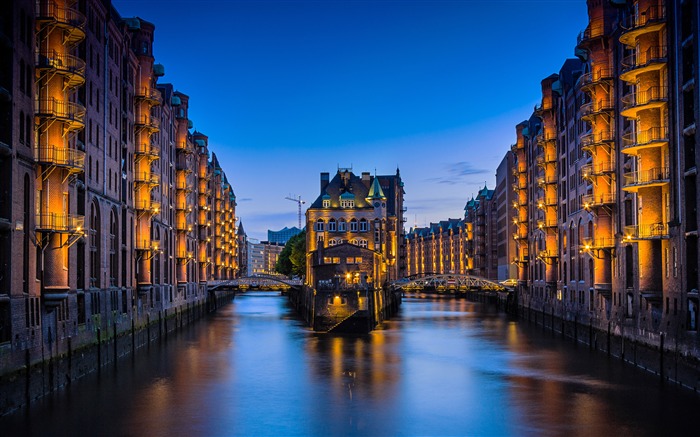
(364, 226)
(342, 227)
(362, 243)
(332, 242)
(331, 225)
(353, 225)
(319, 225)
(326, 203)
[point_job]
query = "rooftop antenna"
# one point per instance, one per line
(299, 202)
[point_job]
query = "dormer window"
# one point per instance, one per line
(347, 203)
(326, 203)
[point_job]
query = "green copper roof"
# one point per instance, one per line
(347, 195)
(326, 197)
(375, 191)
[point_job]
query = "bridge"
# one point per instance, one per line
(259, 281)
(449, 283)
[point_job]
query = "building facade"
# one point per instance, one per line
(110, 208)
(365, 212)
(262, 257)
(606, 185)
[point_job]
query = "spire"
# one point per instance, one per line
(375, 191)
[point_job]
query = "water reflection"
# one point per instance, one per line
(442, 367)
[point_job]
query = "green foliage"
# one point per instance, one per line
(292, 260)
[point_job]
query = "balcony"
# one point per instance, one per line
(652, 59)
(651, 98)
(546, 159)
(182, 184)
(148, 178)
(596, 139)
(520, 145)
(547, 202)
(547, 255)
(151, 151)
(550, 179)
(650, 20)
(70, 67)
(547, 224)
(649, 231)
(143, 244)
(182, 226)
(185, 254)
(69, 20)
(60, 222)
(147, 205)
(183, 147)
(598, 200)
(635, 141)
(595, 29)
(598, 243)
(589, 171)
(149, 95)
(147, 123)
(542, 107)
(72, 160)
(596, 77)
(544, 137)
(600, 107)
(72, 115)
(655, 177)
(182, 205)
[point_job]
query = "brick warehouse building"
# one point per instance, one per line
(606, 177)
(111, 209)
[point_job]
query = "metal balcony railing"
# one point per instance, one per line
(147, 122)
(60, 222)
(653, 176)
(597, 200)
(69, 66)
(70, 113)
(147, 178)
(649, 231)
(637, 100)
(597, 107)
(652, 56)
(595, 29)
(643, 21)
(653, 137)
(71, 159)
(595, 77)
(149, 94)
(588, 141)
(69, 19)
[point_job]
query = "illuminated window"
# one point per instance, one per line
(332, 242)
(326, 203)
(358, 260)
(350, 260)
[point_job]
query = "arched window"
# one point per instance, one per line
(113, 248)
(21, 127)
(362, 243)
(94, 232)
(319, 225)
(364, 226)
(332, 242)
(353, 225)
(331, 225)
(342, 226)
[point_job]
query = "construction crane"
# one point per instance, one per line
(299, 202)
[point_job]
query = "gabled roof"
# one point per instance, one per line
(375, 191)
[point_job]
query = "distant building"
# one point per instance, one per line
(505, 216)
(242, 250)
(283, 235)
(263, 256)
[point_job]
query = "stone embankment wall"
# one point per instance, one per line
(67, 362)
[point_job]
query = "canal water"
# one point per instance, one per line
(441, 367)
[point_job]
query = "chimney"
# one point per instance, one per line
(324, 181)
(365, 178)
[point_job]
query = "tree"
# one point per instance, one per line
(292, 260)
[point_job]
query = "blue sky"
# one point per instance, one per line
(286, 90)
